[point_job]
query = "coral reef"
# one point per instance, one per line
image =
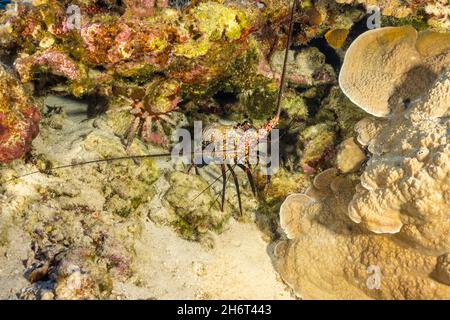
(349, 156)
(208, 48)
(414, 142)
(383, 234)
(404, 188)
(195, 212)
(318, 146)
(19, 118)
(319, 136)
(82, 221)
(326, 18)
(193, 52)
(362, 190)
(329, 257)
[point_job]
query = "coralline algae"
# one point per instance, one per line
(19, 118)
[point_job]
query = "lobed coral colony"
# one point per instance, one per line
(359, 206)
(394, 216)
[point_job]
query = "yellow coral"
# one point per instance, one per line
(214, 22)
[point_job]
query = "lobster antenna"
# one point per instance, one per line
(211, 184)
(79, 164)
(279, 98)
(286, 54)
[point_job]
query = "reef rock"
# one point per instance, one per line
(81, 221)
(19, 118)
(438, 11)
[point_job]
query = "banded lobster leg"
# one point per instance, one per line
(236, 184)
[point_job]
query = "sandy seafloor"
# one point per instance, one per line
(165, 266)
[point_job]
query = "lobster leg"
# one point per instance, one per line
(147, 128)
(224, 185)
(132, 132)
(236, 183)
(247, 170)
(195, 168)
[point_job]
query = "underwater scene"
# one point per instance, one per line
(224, 149)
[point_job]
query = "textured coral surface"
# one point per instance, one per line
(329, 257)
(405, 186)
(398, 248)
(19, 118)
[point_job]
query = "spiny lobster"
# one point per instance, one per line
(229, 158)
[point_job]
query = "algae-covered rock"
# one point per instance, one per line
(404, 187)
(349, 156)
(195, 209)
(295, 106)
(317, 146)
(19, 118)
(214, 22)
(306, 68)
(329, 257)
(338, 109)
(260, 100)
